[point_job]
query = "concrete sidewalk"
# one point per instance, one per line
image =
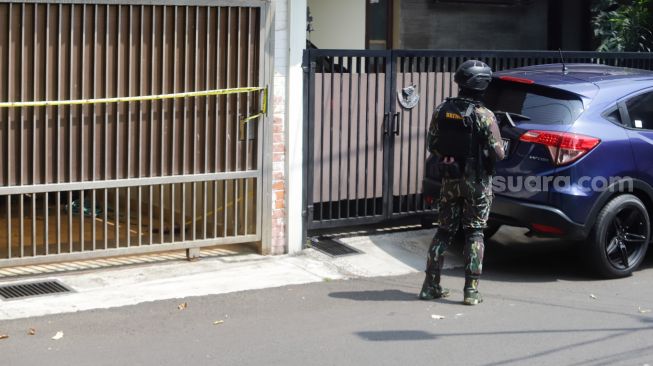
(382, 255)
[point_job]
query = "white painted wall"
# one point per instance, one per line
(338, 23)
(290, 42)
(294, 117)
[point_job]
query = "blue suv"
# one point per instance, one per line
(579, 164)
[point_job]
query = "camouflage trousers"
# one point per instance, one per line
(463, 203)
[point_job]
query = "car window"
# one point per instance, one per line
(640, 111)
(542, 105)
(614, 116)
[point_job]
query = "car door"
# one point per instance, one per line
(637, 112)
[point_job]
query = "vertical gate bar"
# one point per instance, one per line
(385, 143)
(140, 121)
(263, 72)
(427, 116)
(330, 183)
(20, 158)
(359, 73)
(248, 108)
(173, 159)
(105, 109)
(404, 61)
(34, 197)
(46, 213)
(411, 70)
(70, 129)
(419, 148)
(340, 107)
(349, 126)
(227, 114)
(93, 128)
(308, 142)
(34, 116)
(58, 122)
(10, 78)
(204, 207)
(322, 148)
(162, 108)
(218, 23)
(70, 221)
(368, 73)
(421, 65)
(236, 142)
(9, 234)
(206, 117)
(128, 139)
(184, 108)
(116, 210)
(152, 119)
(377, 63)
(195, 111)
(81, 67)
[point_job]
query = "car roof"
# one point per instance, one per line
(586, 79)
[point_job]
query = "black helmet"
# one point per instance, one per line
(473, 74)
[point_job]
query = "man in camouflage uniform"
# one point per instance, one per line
(466, 191)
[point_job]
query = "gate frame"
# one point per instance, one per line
(263, 175)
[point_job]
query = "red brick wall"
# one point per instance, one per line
(278, 177)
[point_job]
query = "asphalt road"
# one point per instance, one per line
(540, 309)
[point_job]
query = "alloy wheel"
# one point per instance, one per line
(626, 238)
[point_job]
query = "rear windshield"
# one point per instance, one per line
(542, 105)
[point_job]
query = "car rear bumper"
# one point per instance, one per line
(513, 212)
(509, 211)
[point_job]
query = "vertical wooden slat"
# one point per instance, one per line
(93, 142)
(162, 107)
(195, 151)
(227, 130)
(128, 138)
(116, 153)
(105, 109)
(20, 155)
(184, 112)
(173, 131)
(218, 73)
(154, 75)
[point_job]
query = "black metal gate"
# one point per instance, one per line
(364, 151)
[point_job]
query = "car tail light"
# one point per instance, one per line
(546, 229)
(564, 147)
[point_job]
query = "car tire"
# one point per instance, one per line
(619, 239)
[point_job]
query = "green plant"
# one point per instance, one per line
(623, 25)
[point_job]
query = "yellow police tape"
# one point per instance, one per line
(143, 98)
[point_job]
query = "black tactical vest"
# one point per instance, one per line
(457, 131)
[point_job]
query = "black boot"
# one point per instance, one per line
(471, 296)
(431, 288)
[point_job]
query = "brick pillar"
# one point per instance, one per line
(278, 181)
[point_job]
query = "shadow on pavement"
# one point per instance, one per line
(384, 295)
(396, 335)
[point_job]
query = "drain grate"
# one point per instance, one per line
(332, 247)
(31, 289)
